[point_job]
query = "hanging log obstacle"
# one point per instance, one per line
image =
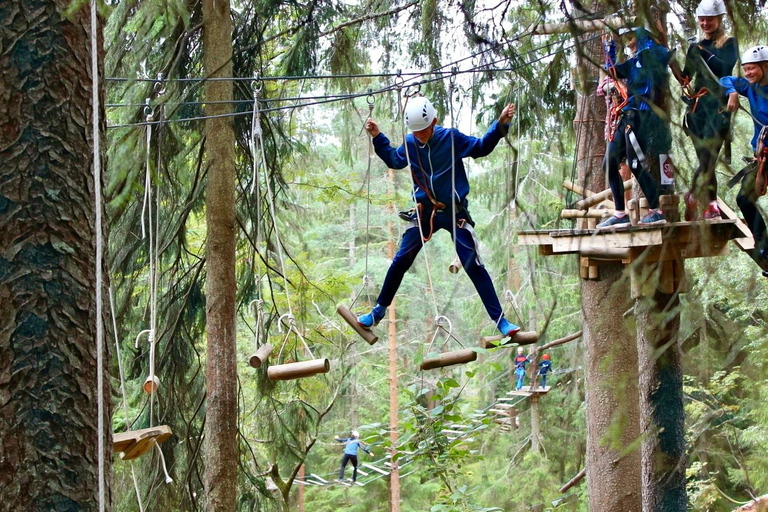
(519, 339)
(351, 320)
(298, 370)
(455, 266)
(449, 359)
(261, 355)
(135, 443)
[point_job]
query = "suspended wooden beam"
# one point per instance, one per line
(592, 213)
(351, 320)
(521, 338)
(448, 359)
(261, 355)
(581, 26)
(600, 196)
(573, 481)
(135, 443)
(298, 370)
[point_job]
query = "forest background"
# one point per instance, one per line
(322, 214)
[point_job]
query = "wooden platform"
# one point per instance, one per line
(135, 443)
(666, 242)
(527, 391)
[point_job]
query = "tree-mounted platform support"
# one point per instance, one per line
(527, 391)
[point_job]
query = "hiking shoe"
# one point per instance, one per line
(712, 212)
(507, 328)
(691, 207)
(373, 318)
(614, 222)
(653, 218)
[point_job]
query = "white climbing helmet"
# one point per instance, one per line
(355, 434)
(419, 113)
(710, 8)
(754, 55)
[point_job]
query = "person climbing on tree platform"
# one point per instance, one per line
(707, 122)
(754, 86)
(350, 454)
(545, 366)
(520, 361)
(642, 138)
(435, 157)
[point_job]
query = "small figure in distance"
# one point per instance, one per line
(350, 453)
(545, 366)
(520, 361)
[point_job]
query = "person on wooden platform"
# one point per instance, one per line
(350, 453)
(440, 188)
(521, 360)
(545, 366)
(754, 86)
(642, 137)
(707, 122)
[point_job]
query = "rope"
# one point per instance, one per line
(122, 391)
(454, 205)
(96, 134)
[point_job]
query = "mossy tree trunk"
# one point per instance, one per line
(48, 362)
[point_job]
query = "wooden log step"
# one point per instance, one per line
(299, 369)
(261, 355)
(351, 320)
(600, 196)
(521, 338)
(135, 443)
(448, 359)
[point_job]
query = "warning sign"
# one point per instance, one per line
(667, 170)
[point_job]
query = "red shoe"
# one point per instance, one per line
(691, 207)
(712, 212)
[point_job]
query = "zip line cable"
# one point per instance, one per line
(382, 90)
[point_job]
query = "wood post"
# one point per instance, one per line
(394, 476)
(261, 355)
(299, 369)
(351, 320)
(463, 356)
(599, 197)
(521, 338)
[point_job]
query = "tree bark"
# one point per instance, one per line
(611, 370)
(394, 475)
(661, 404)
(221, 455)
(48, 362)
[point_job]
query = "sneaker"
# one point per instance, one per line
(614, 222)
(712, 212)
(691, 207)
(373, 318)
(507, 328)
(653, 218)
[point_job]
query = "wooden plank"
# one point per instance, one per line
(607, 240)
(534, 238)
(600, 196)
(135, 443)
(374, 468)
(351, 320)
(593, 213)
(527, 391)
(745, 242)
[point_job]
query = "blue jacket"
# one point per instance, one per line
(352, 446)
(645, 72)
(545, 367)
(758, 100)
(435, 156)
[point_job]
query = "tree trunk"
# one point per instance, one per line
(220, 449)
(394, 475)
(611, 355)
(535, 424)
(48, 362)
(661, 404)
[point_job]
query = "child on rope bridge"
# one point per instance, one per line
(545, 366)
(435, 156)
(350, 453)
(642, 137)
(753, 177)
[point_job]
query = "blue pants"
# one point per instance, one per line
(348, 458)
(466, 248)
(543, 380)
(520, 376)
